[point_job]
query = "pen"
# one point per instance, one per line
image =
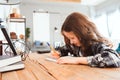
(55, 54)
(51, 47)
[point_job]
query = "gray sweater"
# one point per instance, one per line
(102, 56)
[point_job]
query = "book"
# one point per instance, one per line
(7, 60)
(16, 66)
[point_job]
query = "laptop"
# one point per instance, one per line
(8, 39)
(11, 46)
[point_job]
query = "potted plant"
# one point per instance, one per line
(27, 33)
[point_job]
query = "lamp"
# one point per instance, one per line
(10, 2)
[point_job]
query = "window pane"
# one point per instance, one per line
(101, 23)
(114, 24)
(5, 11)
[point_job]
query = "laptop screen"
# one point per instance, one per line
(8, 39)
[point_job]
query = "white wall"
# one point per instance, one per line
(64, 10)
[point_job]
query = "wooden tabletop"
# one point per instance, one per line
(37, 68)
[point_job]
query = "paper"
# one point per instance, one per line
(51, 59)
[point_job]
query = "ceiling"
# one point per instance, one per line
(82, 2)
(92, 2)
(9, 2)
(77, 1)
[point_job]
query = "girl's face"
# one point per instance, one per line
(72, 37)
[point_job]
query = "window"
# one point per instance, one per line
(5, 10)
(114, 24)
(3, 14)
(109, 26)
(101, 23)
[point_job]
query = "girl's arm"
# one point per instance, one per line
(104, 57)
(72, 60)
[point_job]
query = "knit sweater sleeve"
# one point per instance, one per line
(103, 57)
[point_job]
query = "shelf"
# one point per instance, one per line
(16, 27)
(17, 20)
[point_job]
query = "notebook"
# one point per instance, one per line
(11, 46)
(16, 66)
(7, 60)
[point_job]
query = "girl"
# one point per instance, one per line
(85, 43)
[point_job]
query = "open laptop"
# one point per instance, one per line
(8, 39)
(11, 46)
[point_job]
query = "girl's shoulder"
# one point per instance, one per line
(98, 44)
(97, 47)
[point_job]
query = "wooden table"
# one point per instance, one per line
(37, 68)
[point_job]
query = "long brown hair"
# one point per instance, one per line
(84, 29)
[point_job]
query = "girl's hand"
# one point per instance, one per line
(68, 60)
(72, 60)
(55, 54)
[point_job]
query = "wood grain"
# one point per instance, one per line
(78, 72)
(37, 68)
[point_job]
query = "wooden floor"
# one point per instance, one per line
(37, 68)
